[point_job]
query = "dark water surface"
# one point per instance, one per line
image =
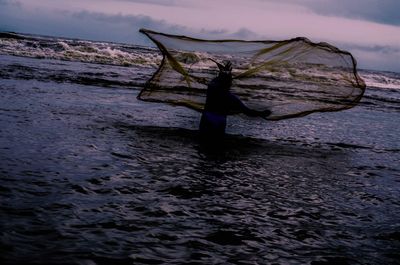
(90, 175)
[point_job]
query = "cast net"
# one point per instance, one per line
(291, 78)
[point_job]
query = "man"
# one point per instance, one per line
(220, 102)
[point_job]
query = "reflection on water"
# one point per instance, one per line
(158, 195)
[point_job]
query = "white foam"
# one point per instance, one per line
(381, 80)
(85, 51)
(126, 55)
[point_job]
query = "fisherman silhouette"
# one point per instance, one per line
(220, 102)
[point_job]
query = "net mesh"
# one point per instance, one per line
(291, 78)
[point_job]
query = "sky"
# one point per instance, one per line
(369, 29)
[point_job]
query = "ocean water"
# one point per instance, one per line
(90, 175)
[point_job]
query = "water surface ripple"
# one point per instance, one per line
(89, 175)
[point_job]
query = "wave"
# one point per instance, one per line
(45, 47)
(77, 50)
(376, 79)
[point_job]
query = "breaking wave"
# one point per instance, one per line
(44, 47)
(77, 50)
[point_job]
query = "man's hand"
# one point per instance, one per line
(226, 69)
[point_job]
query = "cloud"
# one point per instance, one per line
(245, 34)
(375, 56)
(122, 28)
(386, 12)
(98, 26)
(8, 9)
(381, 11)
(9, 3)
(135, 22)
(156, 2)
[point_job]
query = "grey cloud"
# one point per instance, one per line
(381, 11)
(242, 34)
(125, 28)
(245, 34)
(375, 57)
(7, 10)
(10, 3)
(132, 23)
(386, 11)
(133, 20)
(155, 2)
(98, 26)
(375, 48)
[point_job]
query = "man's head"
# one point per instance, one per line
(225, 73)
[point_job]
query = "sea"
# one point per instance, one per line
(91, 175)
